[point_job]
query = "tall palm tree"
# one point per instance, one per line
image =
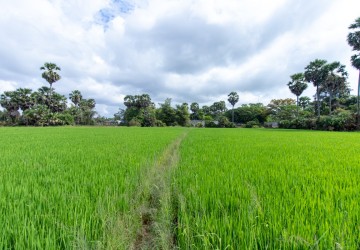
(316, 72)
(354, 41)
(24, 98)
(233, 99)
(50, 74)
(76, 97)
(297, 85)
(335, 83)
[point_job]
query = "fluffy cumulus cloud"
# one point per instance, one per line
(188, 50)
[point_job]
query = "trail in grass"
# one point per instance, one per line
(154, 203)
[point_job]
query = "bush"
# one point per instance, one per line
(225, 123)
(134, 123)
(252, 124)
(210, 124)
(199, 125)
(67, 119)
(341, 120)
(159, 123)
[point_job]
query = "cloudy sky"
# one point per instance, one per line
(187, 50)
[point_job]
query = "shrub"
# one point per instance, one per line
(134, 123)
(252, 124)
(210, 124)
(159, 123)
(199, 125)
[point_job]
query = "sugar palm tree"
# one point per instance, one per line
(316, 72)
(354, 41)
(335, 83)
(233, 99)
(297, 85)
(76, 97)
(50, 74)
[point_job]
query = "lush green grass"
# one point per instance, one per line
(266, 189)
(72, 187)
(85, 188)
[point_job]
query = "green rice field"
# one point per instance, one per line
(178, 188)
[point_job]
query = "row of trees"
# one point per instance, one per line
(45, 107)
(332, 87)
(141, 111)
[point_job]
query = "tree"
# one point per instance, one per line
(76, 97)
(217, 109)
(166, 113)
(206, 110)
(282, 109)
(255, 112)
(195, 109)
(119, 116)
(233, 99)
(50, 74)
(335, 83)
(139, 110)
(297, 85)
(304, 102)
(23, 97)
(316, 72)
(354, 41)
(9, 102)
(87, 111)
(182, 114)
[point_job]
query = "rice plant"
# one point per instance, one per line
(266, 189)
(72, 188)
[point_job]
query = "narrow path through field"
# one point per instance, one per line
(155, 207)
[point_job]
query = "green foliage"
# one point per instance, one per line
(297, 85)
(134, 122)
(282, 109)
(250, 112)
(225, 123)
(233, 98)
(50, 73)
(341, 120)
(252, 124)
(166, 113)
(197, 113)
(183, 115)
(210, 124)
(140, 111)
(159, 123)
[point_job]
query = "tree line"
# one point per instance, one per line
(45, 107)
(331, 108)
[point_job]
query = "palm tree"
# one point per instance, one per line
(316, 72)
(335, 83)
(76, 97)
(233, 99)
(24, 98)
(297, 85)
(354, 41)
(50, 74)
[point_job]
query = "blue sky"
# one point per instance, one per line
(187, 50)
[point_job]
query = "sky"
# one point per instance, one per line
(186, 50)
